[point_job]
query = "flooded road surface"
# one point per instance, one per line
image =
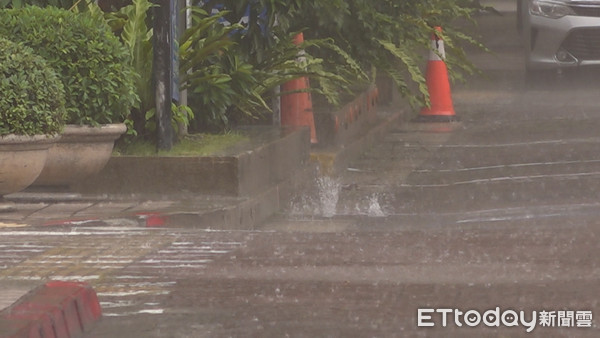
(490, 229)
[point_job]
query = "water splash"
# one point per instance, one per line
(329, 193)
(317, 199)
(374, 207)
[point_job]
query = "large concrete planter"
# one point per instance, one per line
(22, 159)
(81, 152)
(270, 156)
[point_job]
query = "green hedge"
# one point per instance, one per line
(32, 99)
(91, 62)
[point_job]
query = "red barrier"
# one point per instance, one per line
(56, 309)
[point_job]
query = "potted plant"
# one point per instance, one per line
(94, 68)
(31, 115)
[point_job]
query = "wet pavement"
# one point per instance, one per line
(497, 213)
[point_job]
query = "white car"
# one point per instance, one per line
(559, 34)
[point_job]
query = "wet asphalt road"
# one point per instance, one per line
(502, 212)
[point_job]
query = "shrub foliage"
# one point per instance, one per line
(388, 35)
(89, 59)
(32, 100)
(231, 71)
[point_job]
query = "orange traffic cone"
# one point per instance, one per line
(438, 85)
(296, 108)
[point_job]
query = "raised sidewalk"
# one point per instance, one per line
(236, 189)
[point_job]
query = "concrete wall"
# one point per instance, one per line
(244, 170)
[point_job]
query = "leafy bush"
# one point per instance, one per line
(230, 80)
(131, 23)
(66, 4)
(91, 62)
(390, 36)
(32, 100)
(206, 70)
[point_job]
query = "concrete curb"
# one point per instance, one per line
(241, 204)
(333, 159)
(222, 213)
(55, 309)
(270, 155)
(205, 212)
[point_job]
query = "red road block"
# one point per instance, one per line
(55, 309)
